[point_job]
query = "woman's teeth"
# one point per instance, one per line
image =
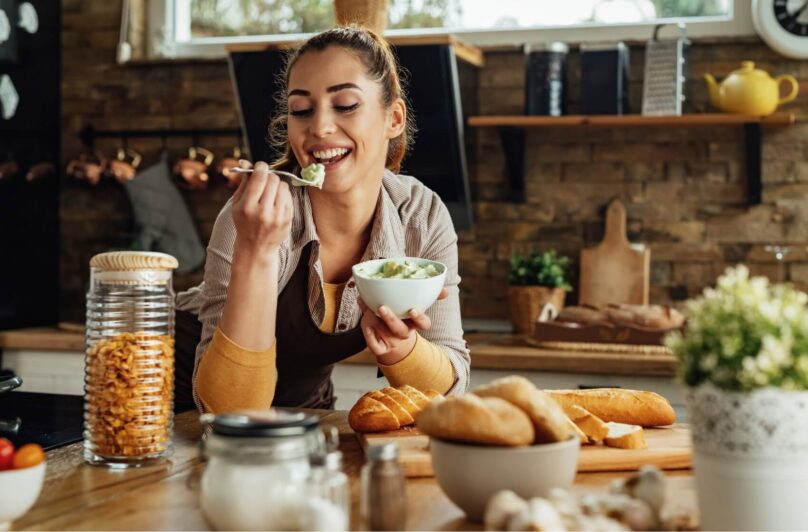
(324, 156)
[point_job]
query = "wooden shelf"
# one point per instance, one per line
(462, 49)
(512, 134)
(692, 120)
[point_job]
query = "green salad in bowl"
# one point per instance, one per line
(400, 284)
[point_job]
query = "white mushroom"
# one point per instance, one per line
(647, 485)
(540, 515)
(501, 506)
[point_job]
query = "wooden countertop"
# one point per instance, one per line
(77, 496)
(488, 351)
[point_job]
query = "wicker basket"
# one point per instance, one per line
(371, 14)
(526, 303)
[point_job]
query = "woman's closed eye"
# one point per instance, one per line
(309, 111)
(346, 108)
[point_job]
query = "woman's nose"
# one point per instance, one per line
(322, 124)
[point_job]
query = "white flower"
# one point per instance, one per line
(745, 333)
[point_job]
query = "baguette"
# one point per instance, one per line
(388, 409)
(633, 407)
(591, 425)
(549, 421)
(625, 436)
(583, 439)
(472, 419)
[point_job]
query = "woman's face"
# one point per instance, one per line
(337, 118)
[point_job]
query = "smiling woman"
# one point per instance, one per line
(278, 305)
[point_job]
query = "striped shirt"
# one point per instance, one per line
(410, 220)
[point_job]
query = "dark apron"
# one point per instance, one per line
(305, 355)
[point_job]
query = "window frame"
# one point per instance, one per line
(166, 39)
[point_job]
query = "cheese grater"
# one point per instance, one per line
(665, 63)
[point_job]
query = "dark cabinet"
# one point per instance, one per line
(29, 210)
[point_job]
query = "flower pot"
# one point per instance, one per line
(371, 14)
(526, 303)
(750, 456)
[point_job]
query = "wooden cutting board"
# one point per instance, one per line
(668, 448)
(615, 271)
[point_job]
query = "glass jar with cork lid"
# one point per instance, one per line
(129, 362)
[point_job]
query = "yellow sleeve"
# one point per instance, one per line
(230, 377)
(427, 367)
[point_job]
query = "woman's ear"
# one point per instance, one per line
(397, 119)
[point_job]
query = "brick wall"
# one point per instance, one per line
(97, 91)
(684, 189)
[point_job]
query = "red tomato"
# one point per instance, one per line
(6, 453)
(28, 455)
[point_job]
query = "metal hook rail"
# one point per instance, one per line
(88, 133)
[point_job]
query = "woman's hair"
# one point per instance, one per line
(380, 65)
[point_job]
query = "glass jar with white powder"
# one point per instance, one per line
(258, 474)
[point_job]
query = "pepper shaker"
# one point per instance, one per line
(383, 503)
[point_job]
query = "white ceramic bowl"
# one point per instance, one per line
(399, 295)
(471, 474)
(19, 489)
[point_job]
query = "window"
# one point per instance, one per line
(218, 18)
(204, 27)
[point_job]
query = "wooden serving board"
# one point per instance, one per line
(615, 271)
(668, 448)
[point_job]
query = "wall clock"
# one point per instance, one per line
(783, 24)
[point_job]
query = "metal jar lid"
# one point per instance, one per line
(262, 436)
(273, 423)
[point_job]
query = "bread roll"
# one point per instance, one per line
(625, 436)
(549, 421)
(415, 395)
(654, 316)
(582, 314)
(371, 415)
(472, 419)
(634, 407)
(401, 413)
(432, 394)
(402, 399)
(387, 409)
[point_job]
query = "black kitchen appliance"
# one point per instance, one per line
(51, 420)
(546, 79)
(604, 79)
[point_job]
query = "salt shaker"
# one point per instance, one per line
(383, 504)
(328, 483)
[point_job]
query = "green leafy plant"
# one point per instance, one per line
(744, 334)
(540, 269)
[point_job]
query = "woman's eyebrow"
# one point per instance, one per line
(342, 86)
(332, 88)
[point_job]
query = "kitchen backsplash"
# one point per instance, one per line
(684, 188)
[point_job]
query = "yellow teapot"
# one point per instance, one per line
(750, 91)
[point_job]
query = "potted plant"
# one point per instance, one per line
(535, 280)
(744, 360)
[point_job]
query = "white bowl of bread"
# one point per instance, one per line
(504, 435)
(509, 435)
